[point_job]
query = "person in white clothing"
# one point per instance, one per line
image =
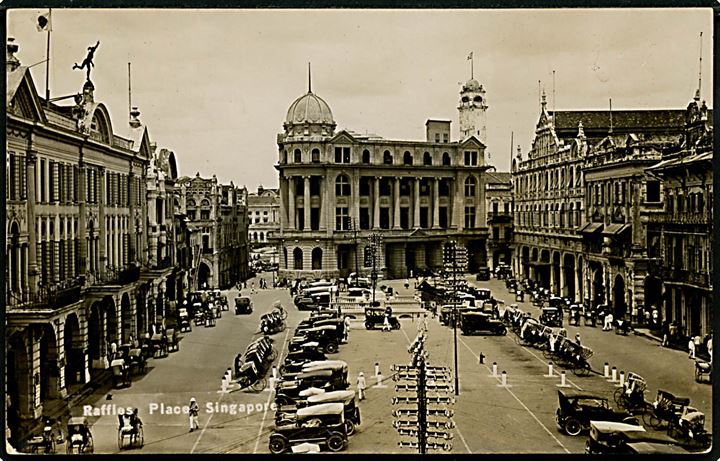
(361, 386)
(194, 410)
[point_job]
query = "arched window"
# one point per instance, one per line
(262, 236)
(387, 158)
(255, 236)
(427, 159)
(317, 258)
(446, 159)
(407, 158)
(366, 156)
(297, 156)
(297, 259)
(571, 181)
(342, 186)
(470, 185)
(316, 155)
(205, 202)
(191, 202)
(571, 215)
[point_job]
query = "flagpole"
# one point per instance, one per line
(47, 56)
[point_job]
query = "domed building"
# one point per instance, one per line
(338, 189)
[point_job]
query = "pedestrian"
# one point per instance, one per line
(666, 333)
(709, 347)
(407, 284)
(113, 350)
(346, 330)
(577, 338)
(361, 386)
(386, 323)
(194, 410)
(425, 323)
(655, 318)
(691, 349)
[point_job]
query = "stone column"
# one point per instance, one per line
(101, 220)
(396, 208)
(30, 165)
(563, 282)
(552, 276)
(577, 296)
(132, 247)
(376, 203)
(323, 203)
(283, 204)
(436, 204)
(457, 197)
(416, 203)
(306, 202)
(355, 196)
(291, 204)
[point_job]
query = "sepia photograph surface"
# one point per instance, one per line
(467, 231)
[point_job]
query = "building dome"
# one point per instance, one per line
(309, 108)
(472, 85)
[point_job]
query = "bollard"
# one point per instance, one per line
(503, 380)
(274, 372)
(377, 368)
(550, 373)
(622, 380)
(481, 358)
(563, 380)
(229, 374)
(223, 385)
(494, 369)
(613, 375)
(606, 370)
(379, 378)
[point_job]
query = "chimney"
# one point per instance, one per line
(11, 48)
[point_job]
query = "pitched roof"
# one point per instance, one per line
(497, 177)
(624, 121)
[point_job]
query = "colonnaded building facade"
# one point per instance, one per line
(339, 188)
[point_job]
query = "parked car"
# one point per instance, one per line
(576, 410)
(322, 424)
(483, 274)
(610, 438)
(471, 322)
(243, 305)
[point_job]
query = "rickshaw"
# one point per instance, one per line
(209, 317)
(511, 284)
(243, 305)
(120, 373)
(551, 316)
(589, 316)
(375, 318)
(79, 437)
(690, 428)
(347, 398)
(214, 309)
(184, 320)
(130, 429)
(471, 322)
(159, 345)
(575, 356)
(137, 360)
(250, 377)
(631, 396)
(576, 411)
(703, 371)
(667, 408)
(222, 301)
(575, 314)
(531, 333)
(198, 314)
(173, 344)
(322, 424)
(45, 442)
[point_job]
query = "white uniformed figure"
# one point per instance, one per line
(361, 386)
(194, 409)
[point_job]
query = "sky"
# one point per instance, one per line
(214, 86)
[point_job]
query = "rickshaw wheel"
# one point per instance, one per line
(349, 427)
(572, 426)
(335, 442)
(618, 395)
(140, 437)
(282, 369)
(273, 355)
(278, 444)
(259, 385)
(651, 420)
(519, 340)
(90, 446)
(548, 354)
(120, 439)
(582, 370)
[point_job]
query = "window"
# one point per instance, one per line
(342, 186)
(407, 158)
(437, 137)
(496, 233)
(443, 217)
(205, 214)
(317, 258)
(387, 158)
(366, 156)
(469, 217)
(427, 159)
(385, 186)
(446, 159)
(405, 186)
(424, 215)
(316, 155)
(506, 207)
(495, 207)
(470, 158)
(424, 187)
(364, 218)
(444, 188)
(652, 191)
(297, 156)
(297, 259)
(446, 137)
(314, 219)
(384, 218)
(405, 217)
(364, 186)
(470, 186)
(314, 186)
(670, 203)
(342, 155)
(342, 219)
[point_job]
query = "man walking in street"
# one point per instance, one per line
(361, 386)
(194, 409)
(346, 330)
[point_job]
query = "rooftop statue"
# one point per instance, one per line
(88, 62)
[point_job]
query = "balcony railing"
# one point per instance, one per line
(499, 217)
(54, 296)
(680, 218)
(685, 276)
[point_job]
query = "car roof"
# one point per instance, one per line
(310, 391)
(581, 395)
(655, 448)
(313, 373)
(334, 396)
(318, 364)
(322, 409)
(77, 420)
(612, 426)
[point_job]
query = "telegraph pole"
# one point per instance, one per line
(455, 320)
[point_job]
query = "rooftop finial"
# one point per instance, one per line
(309, 79)
(697, 95)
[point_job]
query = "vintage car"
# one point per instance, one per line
(471, 322)
(611, 437)
(320, 424)
(551, 316)
(576, 410)
(483, 273)
(326, 337)
(375, 318)
(243, 305)
(347, 398)
(286, 392)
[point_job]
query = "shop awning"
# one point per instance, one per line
(616, 229)
(591, 228)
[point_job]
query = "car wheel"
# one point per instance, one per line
(335, 442)
(278, 444)
(331, 347)
(572, 426)
(631, 420)
(349, 427)
(368, 326)
(502, 330)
